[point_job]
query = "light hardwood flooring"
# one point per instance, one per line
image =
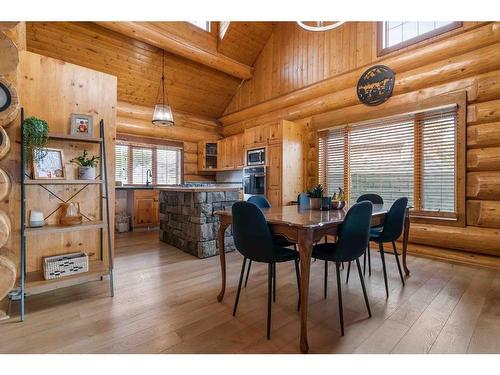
(165, 302)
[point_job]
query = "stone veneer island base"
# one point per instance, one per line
(187, 219)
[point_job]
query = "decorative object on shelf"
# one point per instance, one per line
(162, 115)
(338, 200)
(51, 166)
(320, 25)
(82, 125)
(4, 143)
(86, 166)
(35, 139)
(375, 85)
(4, 228)
(5, 184)
(9, 103)
(58, 266)
(70, 214)
(36, 219)
(10, 54)
(316, 194)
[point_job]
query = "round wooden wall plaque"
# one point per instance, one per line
(5, 184)
(9, 59)
(8, 272)
(4, 143)
(4, 228)
(375, 85)
(9, 103)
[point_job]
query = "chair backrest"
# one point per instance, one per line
(303, 200)
(354, 232)
(251, 233)
(374, 198)
(260, 201)
(394, 220)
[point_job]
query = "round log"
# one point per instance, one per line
(9, 59)
(8, 25)
(4, 143)
(4, 228)
(9, 106)
(483, 185)
(484, 159)
(5, 184)
(8, 272)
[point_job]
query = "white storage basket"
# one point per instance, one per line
(65, 265)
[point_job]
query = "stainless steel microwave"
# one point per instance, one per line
(256, 156)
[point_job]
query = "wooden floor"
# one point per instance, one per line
(165, 302)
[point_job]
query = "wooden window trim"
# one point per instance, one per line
(452, 219)
(381, 51)
(149, 140)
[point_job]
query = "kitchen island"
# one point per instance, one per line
(187, 219)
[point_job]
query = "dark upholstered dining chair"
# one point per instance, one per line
(352, 240)
(253, 239)
(262, 202)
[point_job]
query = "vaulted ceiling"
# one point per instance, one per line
(203, 71)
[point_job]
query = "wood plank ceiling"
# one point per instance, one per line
(192, 87)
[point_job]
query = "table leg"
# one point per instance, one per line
(222, 254)
(305, 244)
(406, 234)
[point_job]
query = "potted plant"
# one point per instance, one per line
(315, 195)
(86, 166)
(35, 139)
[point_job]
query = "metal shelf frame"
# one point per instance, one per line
(102, 183)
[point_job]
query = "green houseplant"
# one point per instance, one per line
(316, 194)
(86, 165)
(35, 139)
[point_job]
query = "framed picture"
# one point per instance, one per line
(82, 125)
(51, 167)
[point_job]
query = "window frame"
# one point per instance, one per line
(381, 50)
(137, 141)
(425, 217)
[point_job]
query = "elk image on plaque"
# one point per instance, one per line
(375, 85)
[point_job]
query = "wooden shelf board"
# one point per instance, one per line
(57, 228)
(35, 283)
(63, 182)
(68, 137)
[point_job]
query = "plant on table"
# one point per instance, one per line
(86, 165)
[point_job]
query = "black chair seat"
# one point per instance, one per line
(325, 251)
(284, 254)
(376, 233)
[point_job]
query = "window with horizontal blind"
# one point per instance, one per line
(141, 163)
(413, 155)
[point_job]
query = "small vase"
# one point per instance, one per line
(86, 173)
(315, 203)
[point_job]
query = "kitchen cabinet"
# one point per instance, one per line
(274, 133)
(273, 158)
(231, 153)
(144, 207)
(256, 136)
(207, 156)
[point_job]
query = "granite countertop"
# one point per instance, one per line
(198, 188)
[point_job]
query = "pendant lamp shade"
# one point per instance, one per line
(162, 115)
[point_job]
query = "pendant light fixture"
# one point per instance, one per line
(320, 25)
(162, 115)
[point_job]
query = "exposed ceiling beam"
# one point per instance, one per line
(146, 32)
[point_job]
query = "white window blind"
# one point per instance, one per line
(381, 160)
(412, 155)
(133, 161)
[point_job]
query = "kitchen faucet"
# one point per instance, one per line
(149, 174)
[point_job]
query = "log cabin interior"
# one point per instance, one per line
(250, 187)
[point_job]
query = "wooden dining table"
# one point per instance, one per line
(305, 227)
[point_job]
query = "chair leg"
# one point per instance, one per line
(248, 272)
(239, 286)
(348, 272)
(369, 259)
(364, 262)
(381, 248)
(274, 282)
(297, 273)
(325, 288)
(364, 288)
(397, 262)
(269, 303)
(339, 296)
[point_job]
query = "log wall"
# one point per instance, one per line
(467, 60)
